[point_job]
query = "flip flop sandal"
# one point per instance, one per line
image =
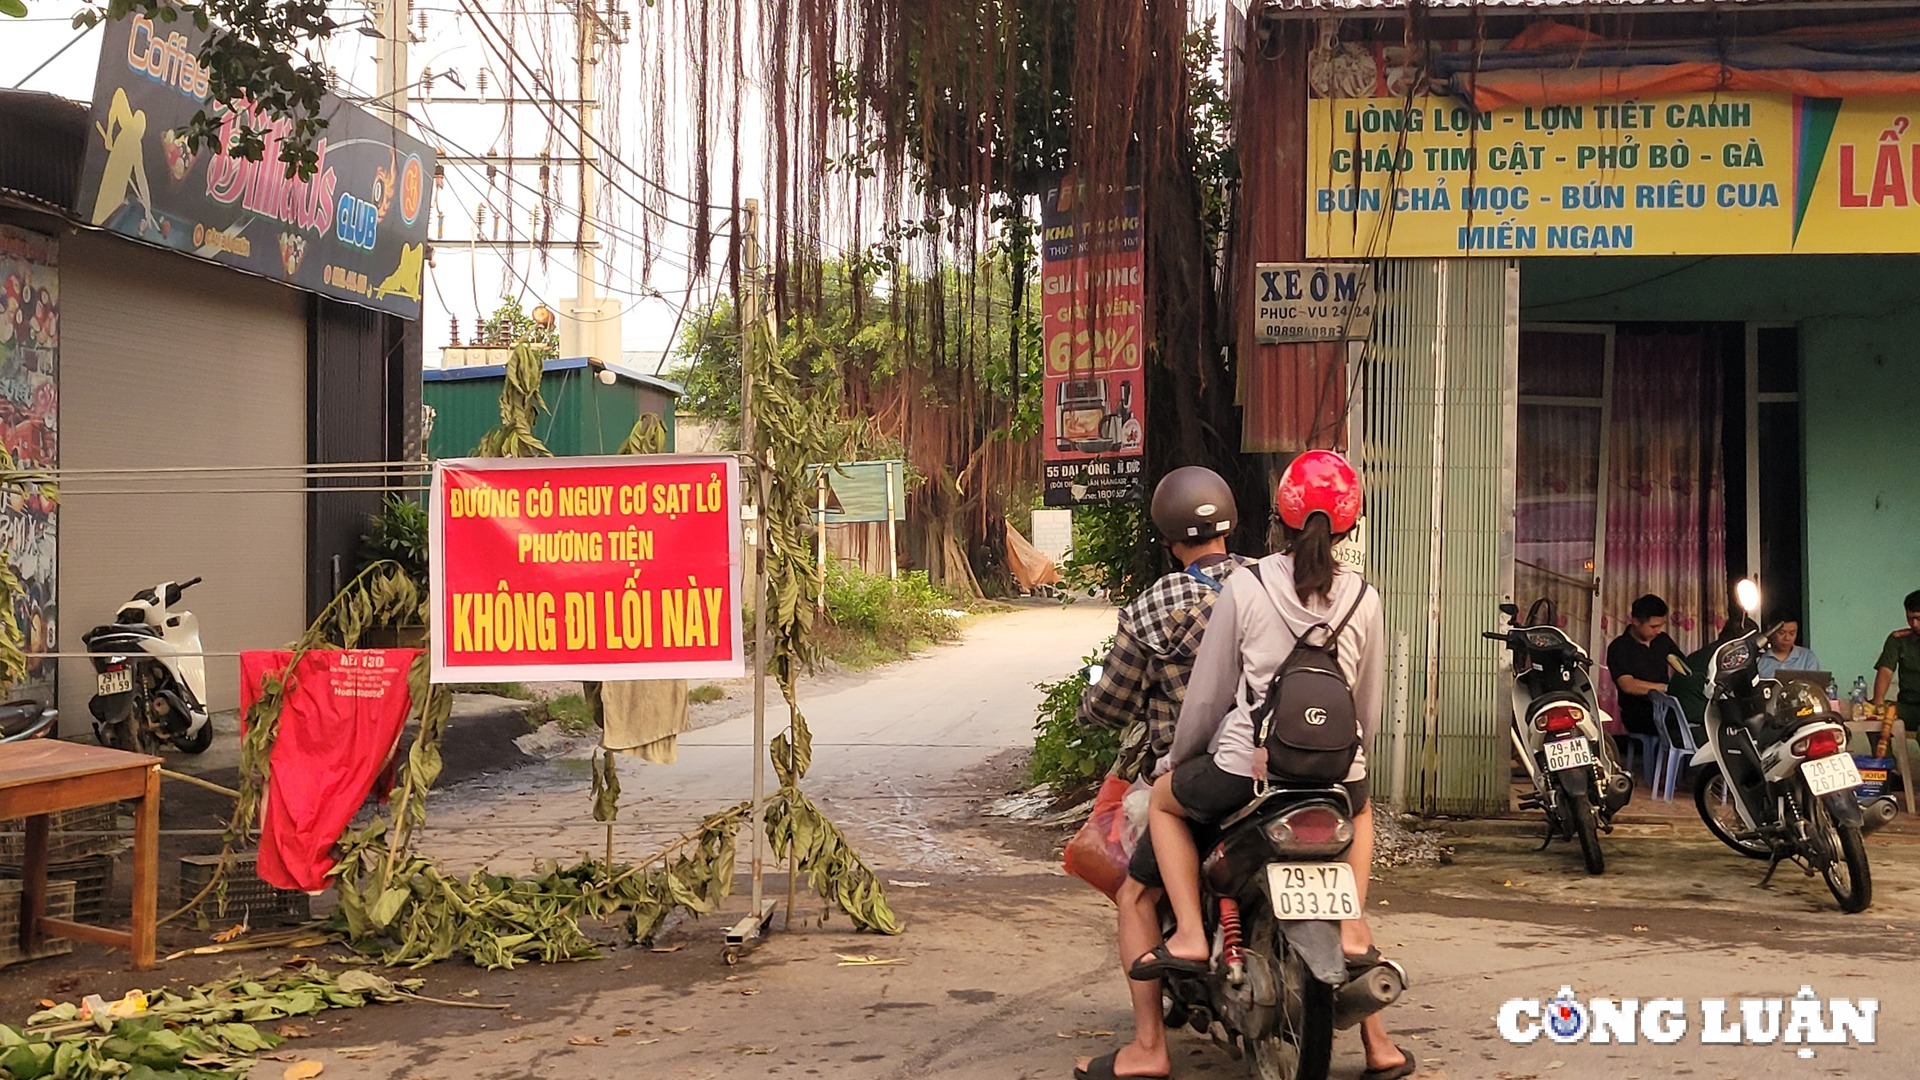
(1101, 1068)
(1160, 963)
(1405, 1068)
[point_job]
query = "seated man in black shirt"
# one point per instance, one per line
(1637, 662)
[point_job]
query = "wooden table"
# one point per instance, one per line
(39, 777)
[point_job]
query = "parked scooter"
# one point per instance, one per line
(152, 678)
(1557, 731)
(1777, 782)
(23, 720)
(1273, 888)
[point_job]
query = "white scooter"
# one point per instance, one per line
(1559, 734)
(1776, 781)
(152, 677)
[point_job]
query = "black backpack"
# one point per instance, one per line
(1308, 724)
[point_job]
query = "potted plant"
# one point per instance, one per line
(398, 534)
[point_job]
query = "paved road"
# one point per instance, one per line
(890, 750)
(1006, 970)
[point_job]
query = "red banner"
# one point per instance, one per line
(340, 723)
(597, 569)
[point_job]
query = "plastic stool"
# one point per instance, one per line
(1649, 747)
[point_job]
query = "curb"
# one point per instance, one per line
(1534, 828)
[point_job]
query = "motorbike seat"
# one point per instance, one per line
(1558, 697)
(128, 629)
(23, 720)
(1279, 799)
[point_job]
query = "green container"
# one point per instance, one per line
(585, 414)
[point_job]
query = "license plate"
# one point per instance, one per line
(1830, 774)
(1569, 754)
(1313, 891)
(117, 682)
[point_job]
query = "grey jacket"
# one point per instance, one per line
(1255, 623)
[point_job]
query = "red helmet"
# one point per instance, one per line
(1319, 482)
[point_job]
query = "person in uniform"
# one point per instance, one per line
(1901, 657)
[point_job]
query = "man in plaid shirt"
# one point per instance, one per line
(1144, 679)
(1140, 689)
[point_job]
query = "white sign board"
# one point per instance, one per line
(1053, 533)
(1295, 302)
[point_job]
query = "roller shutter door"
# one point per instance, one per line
(166, 362)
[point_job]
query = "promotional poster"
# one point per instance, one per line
(355, 231)
(596, 569)
(1094, 409)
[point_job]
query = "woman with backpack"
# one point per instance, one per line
(1297, 600)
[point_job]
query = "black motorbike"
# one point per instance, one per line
(1557, 733)
(1273, 889)
(1776, 781)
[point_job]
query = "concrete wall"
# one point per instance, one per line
(1859, 322)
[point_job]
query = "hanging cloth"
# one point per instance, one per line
(340, 726)
(645, 718)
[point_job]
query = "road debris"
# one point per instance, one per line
(1398, 841)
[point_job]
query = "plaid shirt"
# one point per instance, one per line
(1145, 677)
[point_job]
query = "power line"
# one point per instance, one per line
(506, 57)
(657, 250)
(621, 232)
(56, 55)
(527, 283)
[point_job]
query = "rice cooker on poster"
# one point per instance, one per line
(1083, 421)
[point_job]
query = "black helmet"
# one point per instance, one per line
(1192, 504)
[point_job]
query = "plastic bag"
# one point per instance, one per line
(1098, 854)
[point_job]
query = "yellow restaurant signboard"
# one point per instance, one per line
(1696, 174)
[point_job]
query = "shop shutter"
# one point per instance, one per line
(170, 363)
(1437, 420)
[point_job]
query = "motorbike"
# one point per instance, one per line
(1557, 731)
(1775, 779)
(152, 678)
(1273, 888)
(23, 720)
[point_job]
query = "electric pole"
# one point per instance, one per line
(585, 306)
(390, 56)
(513, 80)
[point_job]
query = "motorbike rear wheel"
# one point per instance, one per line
(1586, 828)
(137, 729)
(1848, 876)
(1303, 1047)
(1714, 800)
(131, 736)
(197, 744)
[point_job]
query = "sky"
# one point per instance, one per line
(470, 274)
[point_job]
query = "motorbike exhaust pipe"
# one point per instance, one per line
(1617, 791)
(1374, 989)
(1877, 812)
